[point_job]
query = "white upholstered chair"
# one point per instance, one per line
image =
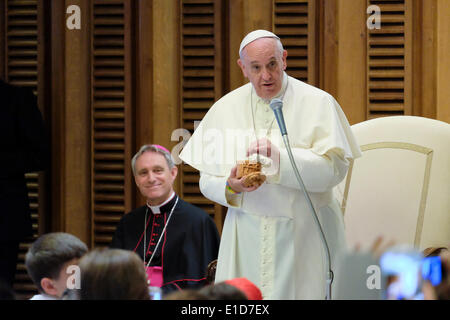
(400, 187)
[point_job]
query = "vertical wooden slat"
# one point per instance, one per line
(313, 43)
(219, 69)
(110, 117)
(351, 59)
(2, 38)
(443, 61)
(166, 71)
(408, 93)
(44, 63)
(58, 125)
(129, 103)
(291, 24)
(219, 81)
(76, 117)
(418, 25)
(389, 60)
(144, 73)
(236, 33)
(243, 16)
(329, 50)
(257, 14)
(144, 85)
(163, 78)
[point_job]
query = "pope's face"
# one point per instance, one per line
(263, 64)
(154, 178)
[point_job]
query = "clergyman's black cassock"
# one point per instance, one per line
(23, 148)
(190, 243)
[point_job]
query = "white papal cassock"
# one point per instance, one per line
(269, 235)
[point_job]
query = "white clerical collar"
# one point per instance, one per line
(279, 94)
(157, 209)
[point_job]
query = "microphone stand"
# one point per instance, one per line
(329, 275)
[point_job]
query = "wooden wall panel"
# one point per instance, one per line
(76, 138)
(144, 74)
(58, 130)
(236, 32)
(350, 58)
(328, 67)
(443, 61)
(201, 84)
(244, 16)
(166, 71)
(70, 116)
(430, 60)
(425, 49)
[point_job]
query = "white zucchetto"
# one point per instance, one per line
(254, 35)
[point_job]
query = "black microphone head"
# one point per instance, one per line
(276, 104)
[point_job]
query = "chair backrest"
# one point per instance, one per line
(400, 187)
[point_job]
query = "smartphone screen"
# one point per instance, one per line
(401, 271)
(155, 293)
(432, 270)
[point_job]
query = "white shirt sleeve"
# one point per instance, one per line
(214, 188)
(319, 173)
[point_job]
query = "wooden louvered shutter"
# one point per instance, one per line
(389, 77)
(111, 117)
(24, 48)
(295, 24)
(201, 83)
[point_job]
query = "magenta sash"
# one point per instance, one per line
(154, 276)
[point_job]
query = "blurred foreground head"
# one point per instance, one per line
(233, 289)
(113, 274)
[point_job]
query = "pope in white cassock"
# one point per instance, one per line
(269, 235)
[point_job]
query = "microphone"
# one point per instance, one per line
(276, 105)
